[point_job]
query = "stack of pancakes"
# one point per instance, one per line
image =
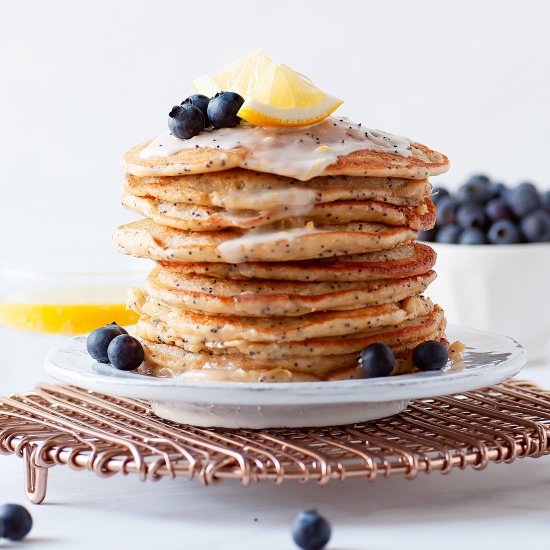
(261, 277)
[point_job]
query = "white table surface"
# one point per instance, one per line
(504, 506)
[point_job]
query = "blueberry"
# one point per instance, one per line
(536, 226)
(15, 522)
(116, 325)
(200, 102)
(545, 200)
(376, 360)
(523, 199)
(446, 210)
(310, 531)
(430, 355)
(448, 234)
(504, 232)
(428, 236)
(471, 214)
(185, 121)
(477, 189)
(125, 352)
(98, 341)
(438, 193)
(496, 209)
(472, 235)
(500, 190)
(223, 109)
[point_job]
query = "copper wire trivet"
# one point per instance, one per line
(107, 435)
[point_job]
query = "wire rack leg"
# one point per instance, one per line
(36, 478)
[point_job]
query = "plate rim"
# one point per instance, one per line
(405, 386)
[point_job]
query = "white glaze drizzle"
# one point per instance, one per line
(298, 152)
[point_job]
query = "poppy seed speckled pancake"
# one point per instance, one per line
(421, 163)
(225, 328)
(419, 327)
(202, 218)
(276, 298)
(246, 190)
(403, 261)
(146, 239)
(170, 360)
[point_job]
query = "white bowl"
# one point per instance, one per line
(499, 288)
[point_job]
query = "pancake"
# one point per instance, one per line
(421, 163)
(200, 218)
(167, 360)
(421, 327)
(260, 298)
(146, 239)
(240, 189)
(216, 328)
(404, 261)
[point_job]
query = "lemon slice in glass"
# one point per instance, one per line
(240, 76)
(283, 97)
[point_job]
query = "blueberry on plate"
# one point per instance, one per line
(310, 531)
(472, 235)
(116, 325)
(446, 210)
(471, 214)
(223, 109)
(523, 199)
(496, 209)
(448, 234)
(504, 232)
(438, 193)
(185, 121)
(430, 355)
(376, 360)
(200, 102)
(99, 339)
(125, 352)
(15, 522)
(477, 189)
(427, 236)
(536, 226)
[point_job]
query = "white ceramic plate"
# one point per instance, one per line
(488, 359)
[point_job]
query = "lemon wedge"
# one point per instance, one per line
(64, 313)
(283, 97)
(240, 76)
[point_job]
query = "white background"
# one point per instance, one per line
(81, 82)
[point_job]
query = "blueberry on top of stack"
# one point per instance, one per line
(486, 212)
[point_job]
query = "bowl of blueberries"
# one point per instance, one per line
(493, 259)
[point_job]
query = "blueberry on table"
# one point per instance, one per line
(446, 211)
(430, 355)
(504, 232)
(99, 339)
(125, 352)
(185, 121)
(477, 189)
(223, 109)
(496, 209)
(523, 199)
(536, 226)
(471, 214)
(472, 235)
(200, 102)
(376, 360)
(438, 193)
(310, 530)
(449, 234)
(15, 522)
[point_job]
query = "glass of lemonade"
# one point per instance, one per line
(45, 298)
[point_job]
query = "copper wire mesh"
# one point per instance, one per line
(107, 435)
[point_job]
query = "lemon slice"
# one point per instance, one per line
(240, 76)
(65, 313)
(283, 97)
